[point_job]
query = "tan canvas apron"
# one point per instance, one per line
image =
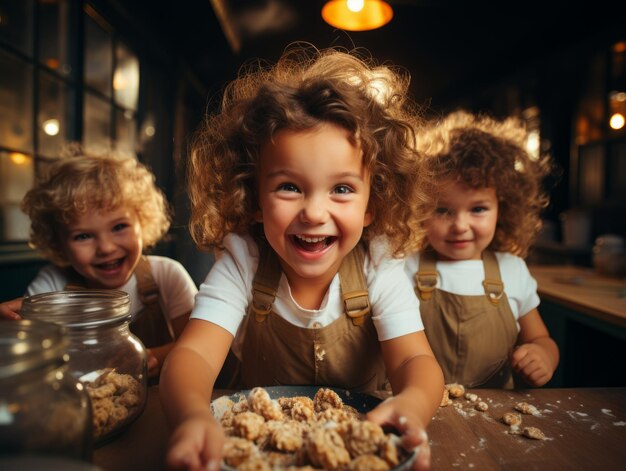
(150, 324)
(472, 336)
(345, 353)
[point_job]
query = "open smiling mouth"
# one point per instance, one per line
(313, 244)
(110, 265)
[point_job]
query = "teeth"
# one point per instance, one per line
(311, 240)
(110, 264)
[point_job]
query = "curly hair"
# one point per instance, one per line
(482, 152)
(306, 88)
(78, 183)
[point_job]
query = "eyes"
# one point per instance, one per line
(83, 236)
(120, 226)
(341, 189)
(477, 210)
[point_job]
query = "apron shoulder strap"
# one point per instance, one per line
(494, 288)
(265, 282)
(426, 276)
(146, 286)
(152, 326)
(353, 286)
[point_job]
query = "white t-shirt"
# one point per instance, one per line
(176, 288)
(227, 291)
(465, 277)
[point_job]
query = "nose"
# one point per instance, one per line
(460, 223)
(105, 245)
(314, 210)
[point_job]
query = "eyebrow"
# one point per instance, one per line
(82, 229)
(471, 202)
(287, 173)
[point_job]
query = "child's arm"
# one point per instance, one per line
(186, 385)
(156, 355)
(537, 355)
(11, 309)
(417, 382)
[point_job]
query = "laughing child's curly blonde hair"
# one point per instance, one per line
(79, 183)
(482, 152)
(305, 89)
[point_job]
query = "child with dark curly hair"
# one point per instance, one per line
(478, 300)
(93, 216)
(304, 180)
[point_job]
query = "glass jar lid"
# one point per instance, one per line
(86, 308)
(27, 345)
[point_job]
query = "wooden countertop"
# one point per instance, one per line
(584, 429)
(583, 290)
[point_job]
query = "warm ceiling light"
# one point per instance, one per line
(357, 15)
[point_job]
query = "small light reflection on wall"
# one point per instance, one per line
(617, 121)
(51, 127)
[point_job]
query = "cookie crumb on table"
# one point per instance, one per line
(481, 406)
(512, 419)
(455, 390)
(526, 408)
(534, 433)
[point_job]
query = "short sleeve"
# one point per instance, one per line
(224, 295)
(395, 306)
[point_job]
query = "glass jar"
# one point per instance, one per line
(608, 255)
(104, 355)
(44, 410)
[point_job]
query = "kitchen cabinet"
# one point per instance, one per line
(586, 315)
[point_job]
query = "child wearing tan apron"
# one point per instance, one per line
(454, 322)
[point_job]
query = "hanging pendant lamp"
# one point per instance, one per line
(357, 15)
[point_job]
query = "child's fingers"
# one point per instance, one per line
(212, 449)
(382, 414)
(9, 315)
(416, 439)
(519, 354)
(536, 373)
(538, 376)
(10, 309)
(153, 365)
(196, 445)
(181, 457)
(410, 428)
(184, 457)
(422, 457)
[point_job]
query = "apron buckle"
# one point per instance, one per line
(359, 309)
(261, 311)
(262, 301)
(149, 296)
(494, 290)
(425, 283)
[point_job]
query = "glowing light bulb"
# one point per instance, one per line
(51, 127)
(355, 5)
(617, 121)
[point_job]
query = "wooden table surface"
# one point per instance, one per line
(583, 290)
(584, 429)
